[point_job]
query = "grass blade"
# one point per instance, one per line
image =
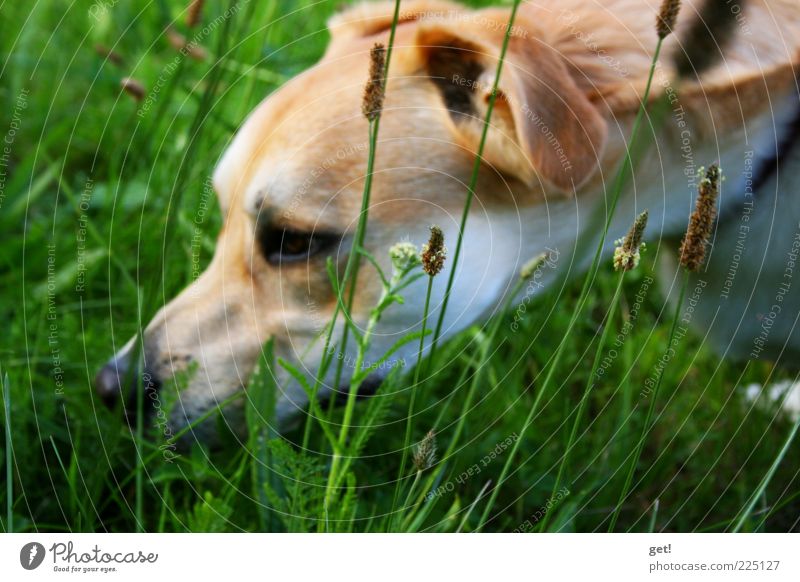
(650, 408)
(473, 180)
(767, 478)
(627, 164)
(9, 455)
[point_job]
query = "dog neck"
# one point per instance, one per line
(664, 182)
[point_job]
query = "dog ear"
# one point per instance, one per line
(543, 127)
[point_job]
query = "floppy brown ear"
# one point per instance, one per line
(543, 126)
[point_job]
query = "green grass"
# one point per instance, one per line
(710, 462)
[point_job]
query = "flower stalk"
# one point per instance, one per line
(432, 258)
(353, 260)
(622, 173)
(692, 256)
(626, 258)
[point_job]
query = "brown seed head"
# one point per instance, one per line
(693, 247)
(179, 43)
(667, 17)
(626, 255)
(373, 92)
(133, 88)
(176, 39)
(425, 452)
(434, 252)
(105, 52)
(194, 13)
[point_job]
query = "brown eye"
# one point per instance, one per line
(286, 245)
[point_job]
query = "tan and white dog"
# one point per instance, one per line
(290, 183)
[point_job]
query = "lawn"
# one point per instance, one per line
(99, 195)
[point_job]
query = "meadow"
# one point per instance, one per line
(99, 197)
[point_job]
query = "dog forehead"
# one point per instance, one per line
(307, 144)
(307, 171)
(313, 117)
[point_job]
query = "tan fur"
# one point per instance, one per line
(529, 99)
(279, 171)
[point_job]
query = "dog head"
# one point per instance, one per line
(290, 190)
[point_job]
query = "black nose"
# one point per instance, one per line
(108, 382)
(118, 381)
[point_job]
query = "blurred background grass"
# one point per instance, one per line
(75, 133)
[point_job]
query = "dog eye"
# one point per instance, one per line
(286, 246)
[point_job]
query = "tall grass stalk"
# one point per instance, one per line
(70, 480)
(359, 239)
(473, 181)
(590, 383)
(158, 280)
(464, 215)
(653, 517)
(626, 258)
(411, 510)
(627, 164)
(692, 256)
(650, 408)
(409, 496)
(353, 260)
(334, 475)
(9, 453)
(402, 267)
(411, 406)
(472, 506)
(762, 486)
(260, 419)
(139, 470)
(476, 381)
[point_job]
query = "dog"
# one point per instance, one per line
(290, 185)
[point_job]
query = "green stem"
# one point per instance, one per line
(411, 404)
(653, 517)
(181, 179)
(618, 184)
(336, 470)
(586, 392)
(473, 181)
(650, 408)
(476, 380)
(767, 478)
(410, 493)
(9, 456)
(139, 506)
(353, 261)
(365, 200)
